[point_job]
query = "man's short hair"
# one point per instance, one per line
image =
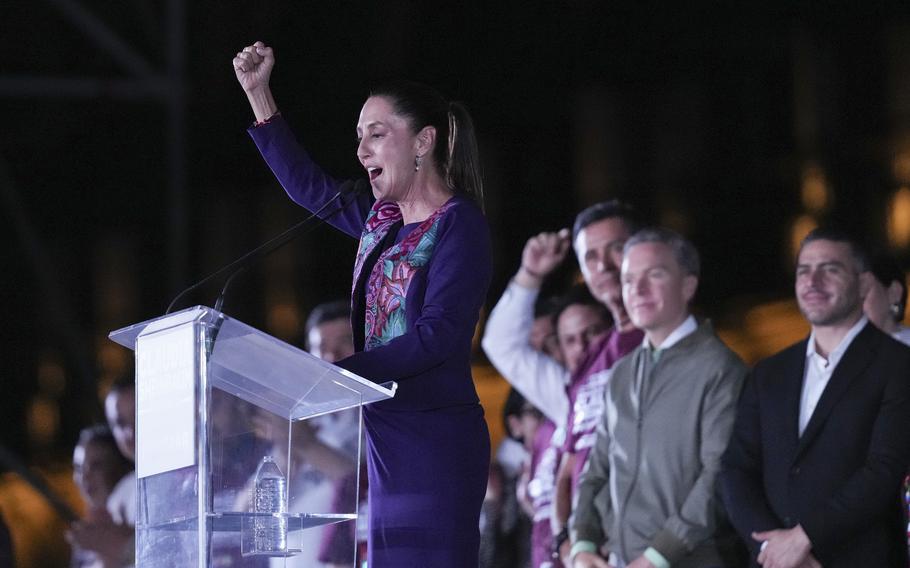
(513, 406)
(546, 306)
(605, 210)
(683, 250)
(327, 311)
(97, 432)
(101, 434)
(887, 270)
(837, 235)
(578, 295)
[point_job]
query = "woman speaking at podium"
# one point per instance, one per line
(420, 278)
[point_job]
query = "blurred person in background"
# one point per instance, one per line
(505, 526)
(236, 452)
(329, 337)
(571, 398)
(313, 470)
(328, 331)
(97, 468)
(505, 529)
(886, 301)
(580, 320)
(322, 470)
(534, 487)
(885, 306)
(110, 532)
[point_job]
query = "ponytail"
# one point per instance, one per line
(462, 166)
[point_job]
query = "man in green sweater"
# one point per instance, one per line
(647, 498)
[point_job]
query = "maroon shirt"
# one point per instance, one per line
(586, 393)
(546, 453)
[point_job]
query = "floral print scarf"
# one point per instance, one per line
(387, 286)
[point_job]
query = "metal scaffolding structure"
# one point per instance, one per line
(143, 82)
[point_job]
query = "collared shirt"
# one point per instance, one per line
(688, 326)
(902, 334)
(819, 370)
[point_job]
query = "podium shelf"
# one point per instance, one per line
(233, 522)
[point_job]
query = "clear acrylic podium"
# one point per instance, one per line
(214, 397)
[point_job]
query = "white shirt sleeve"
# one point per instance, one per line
(539, 378)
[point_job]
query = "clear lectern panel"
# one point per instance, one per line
(248, 449)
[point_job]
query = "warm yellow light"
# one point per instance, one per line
(43, 421)
(899, 218)
(814, 188)
(802, 226)
(113, 360)
(284, 321)
(51, 376)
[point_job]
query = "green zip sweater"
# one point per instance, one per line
(650, 478)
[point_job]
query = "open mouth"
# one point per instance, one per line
(374, 173)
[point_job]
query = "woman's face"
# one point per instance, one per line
(387, 149)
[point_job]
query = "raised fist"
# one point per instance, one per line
(253, 66)
(543, 253)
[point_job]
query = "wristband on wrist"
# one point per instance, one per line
(583, 546)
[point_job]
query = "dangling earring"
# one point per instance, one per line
(895, 309)
(417, 160)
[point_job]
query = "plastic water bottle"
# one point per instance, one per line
(270, 533)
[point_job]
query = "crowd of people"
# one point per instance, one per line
(651, 444)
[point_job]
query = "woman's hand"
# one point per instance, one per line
(253, 67)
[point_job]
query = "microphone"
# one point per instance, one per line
(349, 187)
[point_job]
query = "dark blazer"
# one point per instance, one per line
(841, 479)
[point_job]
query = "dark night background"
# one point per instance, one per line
(712, 119)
